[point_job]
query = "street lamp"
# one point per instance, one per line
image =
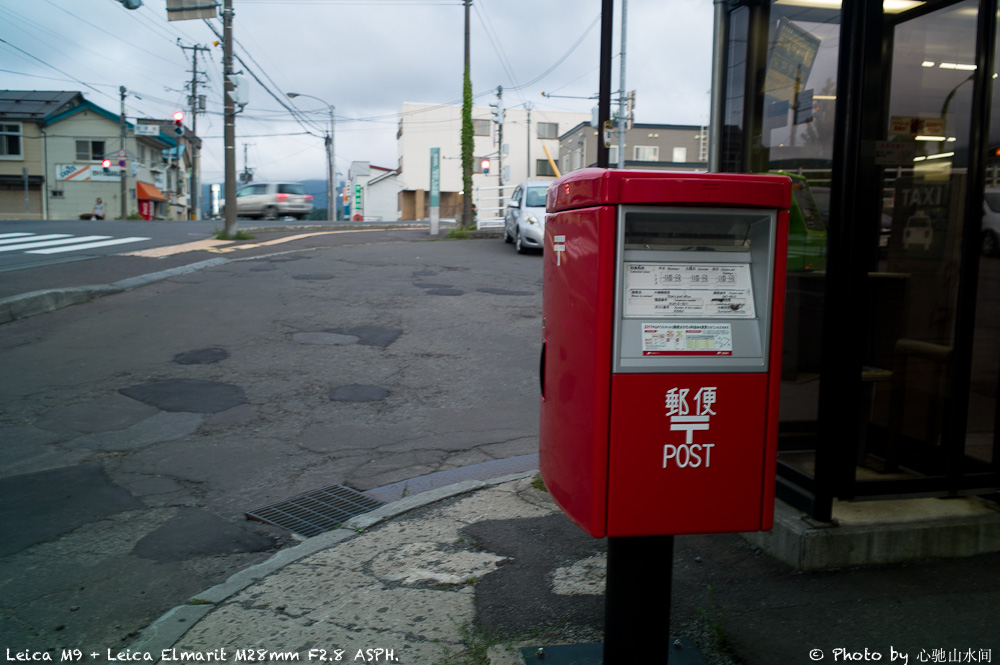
(330, 173)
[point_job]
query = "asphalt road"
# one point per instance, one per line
(139, 428)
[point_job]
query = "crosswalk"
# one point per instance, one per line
(57, 243)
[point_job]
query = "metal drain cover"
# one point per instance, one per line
(317, 511)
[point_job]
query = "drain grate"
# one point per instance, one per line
(317, 511)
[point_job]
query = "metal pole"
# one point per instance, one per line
(621, 92)
(717, 109)
(124, 136)
(500, 114)
(229, 131)
(195, 180)
(333, 172)
(604, 90)
(528, 107)
(637, 600)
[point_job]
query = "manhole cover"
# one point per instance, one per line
(317, 511)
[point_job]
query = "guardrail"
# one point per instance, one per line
(490, 206)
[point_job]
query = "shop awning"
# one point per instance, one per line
(145, 191)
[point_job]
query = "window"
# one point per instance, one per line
(481, 127)
(89, 151)
(613, 155)
(548, 130)
(57, 193)
(542, 167)
(646, 153)
(10, 140)
(680, 154)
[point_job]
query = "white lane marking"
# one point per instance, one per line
(32, 244)
(15, 235)
(32, 237)
(89, 245)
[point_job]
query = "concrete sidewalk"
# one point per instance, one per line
(473, 572)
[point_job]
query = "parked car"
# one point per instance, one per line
(524, 218)
(272, 200)
(991, 222)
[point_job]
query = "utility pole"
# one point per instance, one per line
(195, 143)
(500, 142)
(622, 122)
(247, 175)
(229, 130)
(124, 135)
(467, 130)
(527, 106)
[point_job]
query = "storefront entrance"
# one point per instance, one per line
(881, 113)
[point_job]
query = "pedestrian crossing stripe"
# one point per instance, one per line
(57, 243)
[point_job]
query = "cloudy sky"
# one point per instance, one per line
(365, 57)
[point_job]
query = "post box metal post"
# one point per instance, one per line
(663, 303)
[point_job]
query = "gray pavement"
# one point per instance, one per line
(468, 563)
(478, 571)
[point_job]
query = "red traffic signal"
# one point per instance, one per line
(485, 165)
(106, 163)
(179, 122)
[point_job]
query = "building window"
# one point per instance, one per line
(89, 151)
(542, 167)
(10, 140)
(646, 153)
(548, 130)
(57, 193)
(680, 154)
(481, 127)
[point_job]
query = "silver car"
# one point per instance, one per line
(273, 200)
(524, 218)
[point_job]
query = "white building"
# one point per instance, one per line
(526, 136)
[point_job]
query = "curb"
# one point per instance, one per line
(33, 303)
(171, 627)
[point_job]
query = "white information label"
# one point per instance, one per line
(689, 290)
(687, 339)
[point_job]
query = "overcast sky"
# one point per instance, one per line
(365, 57)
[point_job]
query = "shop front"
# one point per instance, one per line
(152, 202)
(885, 116)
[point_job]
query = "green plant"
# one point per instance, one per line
(538, 483)
(713, 617)
(460, 234)
(200, 601)
(478, 641)
(238, 235)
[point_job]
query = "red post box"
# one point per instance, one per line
(662, 315)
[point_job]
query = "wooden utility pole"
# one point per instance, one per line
(124, 169)
(229, 129)
(467, 130)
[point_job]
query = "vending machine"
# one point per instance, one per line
(661, 348)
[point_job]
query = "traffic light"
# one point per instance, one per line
(498, 113)
(179, 123)
(107, 166)
(485, 165)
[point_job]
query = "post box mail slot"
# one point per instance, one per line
(662, 318)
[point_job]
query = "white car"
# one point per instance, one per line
(272, 200)
(524, 218)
